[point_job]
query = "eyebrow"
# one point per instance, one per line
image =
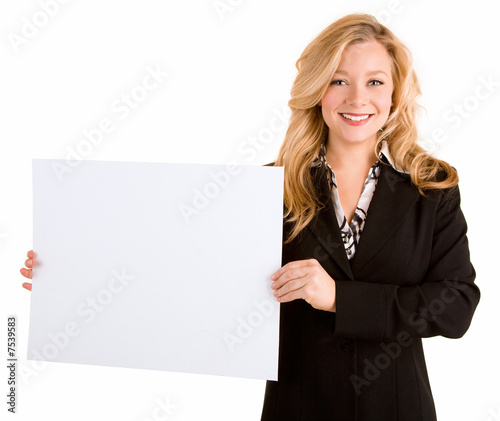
(370, 73)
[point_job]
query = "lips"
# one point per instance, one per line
(355, 119)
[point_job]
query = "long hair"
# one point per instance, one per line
(307, 128)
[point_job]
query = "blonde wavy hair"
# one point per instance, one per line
(307, 129)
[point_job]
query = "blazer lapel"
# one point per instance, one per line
(391, 201)
(325, 227)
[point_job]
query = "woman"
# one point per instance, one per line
(375, 254)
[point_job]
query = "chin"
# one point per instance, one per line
(361, 139)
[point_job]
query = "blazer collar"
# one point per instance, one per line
(393, 197)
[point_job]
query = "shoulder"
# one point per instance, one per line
(444, 173)
(447, 195)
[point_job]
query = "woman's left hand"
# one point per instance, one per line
(305, 279)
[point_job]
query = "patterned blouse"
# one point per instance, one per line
(351, 232)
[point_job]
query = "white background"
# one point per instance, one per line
(229, 76)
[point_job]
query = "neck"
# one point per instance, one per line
(350, 156)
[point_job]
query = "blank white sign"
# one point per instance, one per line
(157, 266)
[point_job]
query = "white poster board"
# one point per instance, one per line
(157, 266)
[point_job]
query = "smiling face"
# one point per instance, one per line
(358, 100)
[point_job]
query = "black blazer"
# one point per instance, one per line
(410, 278)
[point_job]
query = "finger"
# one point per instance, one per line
(292, 295)
(31, 254)
(290, 286)
(288, 276)
(27, 273)
(29, 263)
(27, 285)
(292, 265)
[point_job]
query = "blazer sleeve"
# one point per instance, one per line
(443, 304)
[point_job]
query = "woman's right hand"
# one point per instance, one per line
(30, 261)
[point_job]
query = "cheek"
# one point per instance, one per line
(329, 102)
(384, 102)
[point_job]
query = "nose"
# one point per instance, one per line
(357, 96)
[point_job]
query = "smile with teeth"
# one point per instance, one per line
(355, 117)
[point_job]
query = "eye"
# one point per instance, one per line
(373, 82)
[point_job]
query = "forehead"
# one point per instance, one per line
(366, 56)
